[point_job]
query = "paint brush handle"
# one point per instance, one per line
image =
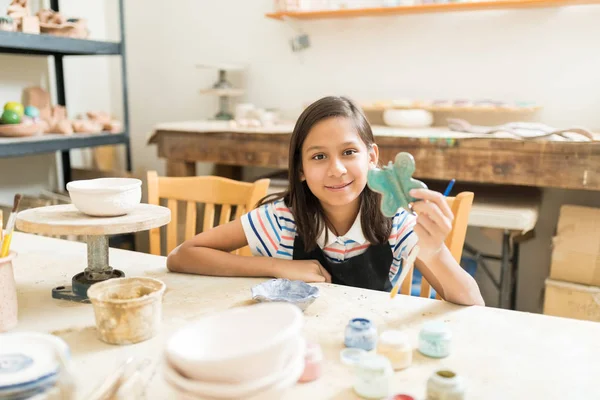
(8, 236)
(410, 261)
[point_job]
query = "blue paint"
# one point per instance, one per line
(435, 339)
(360, 334)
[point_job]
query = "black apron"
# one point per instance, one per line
(369, 270)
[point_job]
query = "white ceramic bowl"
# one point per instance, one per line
(241, 390)
(105, 197)
(237, 345)
(415, 118)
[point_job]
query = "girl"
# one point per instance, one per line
(327, 225)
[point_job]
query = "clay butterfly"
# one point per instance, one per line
(394, 182)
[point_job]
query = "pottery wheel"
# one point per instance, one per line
(67, 220)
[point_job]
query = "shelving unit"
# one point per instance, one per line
(59, 47)
(427, 8)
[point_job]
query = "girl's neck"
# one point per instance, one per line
(341, 218)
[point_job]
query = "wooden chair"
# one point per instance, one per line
(461, 207)
(211, 191)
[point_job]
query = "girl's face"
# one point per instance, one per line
(335, 161)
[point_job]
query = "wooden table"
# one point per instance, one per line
(439, 153)
(502, 354)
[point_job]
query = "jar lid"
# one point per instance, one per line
(360, 323)
(401, 397)
(435, 329)
(351, 356)
(394, 338)
(375, 363)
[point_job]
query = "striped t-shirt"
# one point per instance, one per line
(270, 230)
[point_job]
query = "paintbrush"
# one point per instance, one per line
(10, 226)
(406, 267)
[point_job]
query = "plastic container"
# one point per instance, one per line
(395, 346)
(373, 377)
(8, 294)
(435, 339)
(313, 361)
(360, 333)
(127, 310)
(445, 385)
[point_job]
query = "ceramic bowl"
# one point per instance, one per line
(283, 290)
(105, 197)
(244, 389)
(236, 345)
(415, 118)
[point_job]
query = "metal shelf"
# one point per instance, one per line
(31, 44)
(49, 143)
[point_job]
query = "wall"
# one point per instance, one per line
(544, 55)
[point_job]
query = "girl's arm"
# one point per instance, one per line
(449, 279)
(434, 223)
(208, 253)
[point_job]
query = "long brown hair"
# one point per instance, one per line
(304, 205)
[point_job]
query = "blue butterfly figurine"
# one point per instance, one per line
(394, 182)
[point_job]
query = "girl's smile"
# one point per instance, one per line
(338, 188)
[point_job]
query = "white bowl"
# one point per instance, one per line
(415, 118)
(236, 345)
(105, 197)
(242, 390)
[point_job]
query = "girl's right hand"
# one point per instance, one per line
(303, 270)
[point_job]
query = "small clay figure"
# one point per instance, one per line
(394, 183)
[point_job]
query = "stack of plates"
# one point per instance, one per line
(29, 363)
(254, 352)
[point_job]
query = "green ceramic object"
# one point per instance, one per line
(394, 182)
(32, 112)
(10, 117)
(14, 106)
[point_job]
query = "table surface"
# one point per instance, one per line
(65, 219)
(502, 354)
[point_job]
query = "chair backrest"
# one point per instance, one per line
(211, 191)
(461, 207)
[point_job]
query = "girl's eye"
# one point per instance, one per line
(318, 157)
(349, 152)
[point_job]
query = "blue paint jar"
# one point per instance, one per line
(435, 339)
(361, 334)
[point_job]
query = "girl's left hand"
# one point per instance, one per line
(434, 221)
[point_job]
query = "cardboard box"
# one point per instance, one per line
(571, 300)
(576, 246)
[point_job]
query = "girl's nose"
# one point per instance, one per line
(336, 168)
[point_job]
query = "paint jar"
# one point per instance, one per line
(445, 385)
(360, 333)
(127, 310)
(8, 294)
(313, 361)
(435, 339)
(373, 377)
(401, 397)
(395, 346)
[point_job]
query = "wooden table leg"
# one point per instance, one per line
(181, 168)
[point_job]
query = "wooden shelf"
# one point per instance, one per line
(48, 143)
(427, 8)
(223, 92)
(41, 44)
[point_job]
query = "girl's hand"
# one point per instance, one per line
(434, 221)
(302, 270)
